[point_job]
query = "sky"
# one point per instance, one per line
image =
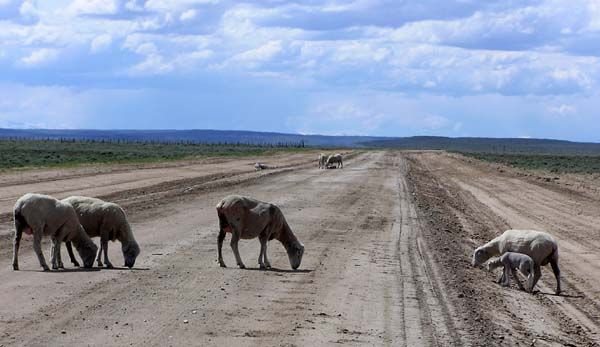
(493, 68)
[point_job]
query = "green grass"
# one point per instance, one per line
(550, 163)
(34, 153)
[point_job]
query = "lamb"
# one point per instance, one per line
(540, 246)
(107, 221)
(247, 218)
(39, 215)
(336, 160)
(322, 160)
(512, 261)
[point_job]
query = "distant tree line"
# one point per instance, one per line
(155, 141)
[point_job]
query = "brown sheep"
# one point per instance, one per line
(247, 218)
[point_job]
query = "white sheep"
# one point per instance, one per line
(247, 218)
(540, 246)
(511, 262)
(40, 215)
(259, 166)
(108, 221)
(335, 161)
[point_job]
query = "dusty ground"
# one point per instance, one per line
(388, 242)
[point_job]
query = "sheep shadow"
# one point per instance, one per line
(125, 268)
(74, 269)
(274, 269)
(539, 292)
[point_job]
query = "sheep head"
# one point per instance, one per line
(295, 253)
(87, 250)
(480, 256)
(130, 252)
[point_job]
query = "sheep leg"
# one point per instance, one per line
(263, 261)
(537, 273)
(266, 260)
(530, 282)
(505, 277)
(71, 254)
(16, 245)
(235, 238)
(37, 248)
(220, 240)
(514, 273)
(54, 258)
(104, 245)
(100, 255)
(59, 261)
(556, 270)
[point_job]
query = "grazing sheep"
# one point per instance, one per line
(247, 218)
(107, 221)
(540, 246)
(260, 166)
(512, 261)
(323, 161)
(39, 215)
(335, 160)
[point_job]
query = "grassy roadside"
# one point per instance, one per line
(16, 154)
(579, 164)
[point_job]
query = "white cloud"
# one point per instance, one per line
(40, 57)
(40, 107)
(78, 7)
(167, 5)
(562, 110)
(187, 15)
(263, 53)
(28, 9)
(154, 64)
(100, 43)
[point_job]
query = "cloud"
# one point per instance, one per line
(39, 57)
(187, 15)
(162, 5)
(562, 110)
(263, 53)
(41, 107)
(360, 51)
(100, 43)
(92, 7)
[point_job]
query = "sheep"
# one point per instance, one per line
(260, 166)
(540, 246)
(512, 261)
(39, 215)
(336, 160)
(109, 222)
(247, 218)
(323, 160)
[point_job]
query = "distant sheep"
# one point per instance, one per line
(39, 215)
(335, 160)
(322, 161)
(540, 246)
(247, 218)
(260, 166)
(107, 221)
(511, 262)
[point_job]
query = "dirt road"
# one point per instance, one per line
(388, 242)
